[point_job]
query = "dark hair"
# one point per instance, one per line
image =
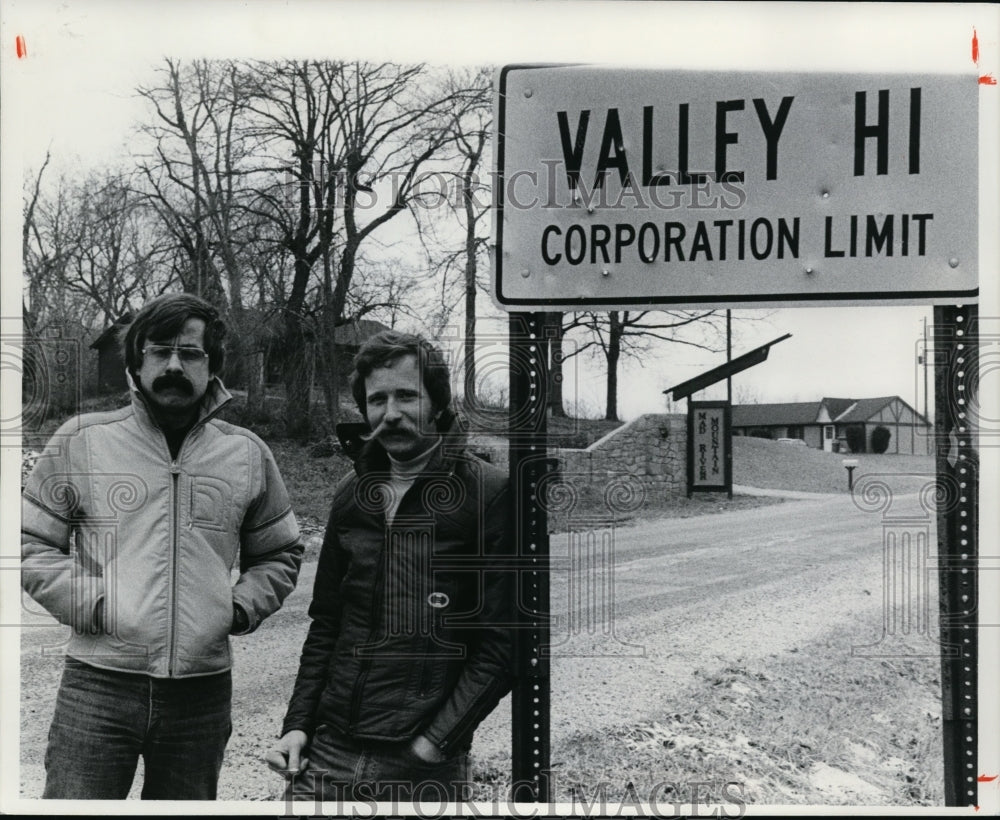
(164, 317)
(386, 347)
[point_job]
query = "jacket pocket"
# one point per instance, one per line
(134, 603)
(437, 658)
(425, 681)
(211, 503)
(204, 605)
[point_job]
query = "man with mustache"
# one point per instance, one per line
(410, 644)
(134, 522)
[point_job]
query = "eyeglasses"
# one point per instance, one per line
(161, 354)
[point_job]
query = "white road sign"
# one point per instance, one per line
(630, 187)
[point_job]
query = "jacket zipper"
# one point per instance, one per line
(378, 593)
(174, 540)
(427, 670)
(366, 662)
(175, 521)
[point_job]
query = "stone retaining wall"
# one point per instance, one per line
(650, 449)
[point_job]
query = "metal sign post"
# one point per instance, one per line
(528, 465)
(956, 368)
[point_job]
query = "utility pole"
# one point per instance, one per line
(729, 405)
(729, 353)
(925, 369)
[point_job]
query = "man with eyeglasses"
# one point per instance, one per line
(134, 523)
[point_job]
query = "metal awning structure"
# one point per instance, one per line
(717, 374)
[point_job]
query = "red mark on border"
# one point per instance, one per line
(22, 48)
(987, 778)
(984, 79)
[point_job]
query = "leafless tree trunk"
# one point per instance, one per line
(612, 353)
(195, 177)
(348, 127)
(91, 252)
(38, 264)
(472, 139)
(470, 131)
(626, 333)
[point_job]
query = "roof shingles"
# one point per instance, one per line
(769, 415)
(841, 411)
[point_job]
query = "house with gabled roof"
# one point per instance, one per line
(110, 358)
(838, 425)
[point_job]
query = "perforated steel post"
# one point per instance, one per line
(956, 361)
(528, 464)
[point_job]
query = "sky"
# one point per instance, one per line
(73, 94)
(837, 352)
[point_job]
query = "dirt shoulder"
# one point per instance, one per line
(755, 689)
(753, 686)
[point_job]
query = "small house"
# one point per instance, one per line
(838, 425)
(347, 340)
(110, 360)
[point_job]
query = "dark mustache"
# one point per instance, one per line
(383, 427)
(173, 380)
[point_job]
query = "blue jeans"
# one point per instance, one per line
(105, 720)
(342, 768)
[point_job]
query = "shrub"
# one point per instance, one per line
(880, 439)
(855, 435)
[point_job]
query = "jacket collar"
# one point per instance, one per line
(216, 397)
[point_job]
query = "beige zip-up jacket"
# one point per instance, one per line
(144, 555)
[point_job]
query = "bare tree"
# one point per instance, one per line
(386, 291)
(628, 333)
(458, 260)
(90, 252)
(472, 139)
(42, 248)
(292, 120)
(352, 139)
(118, 259)
(183, 129)
(46, 243)
(196, 178)
(298, 162)
(746, 394)
(50, 241)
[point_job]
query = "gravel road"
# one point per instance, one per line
(659, 599)
(699, 592)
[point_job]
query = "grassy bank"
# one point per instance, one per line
(791, 729)
(774, 465)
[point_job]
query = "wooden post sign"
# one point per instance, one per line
(709, 447)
